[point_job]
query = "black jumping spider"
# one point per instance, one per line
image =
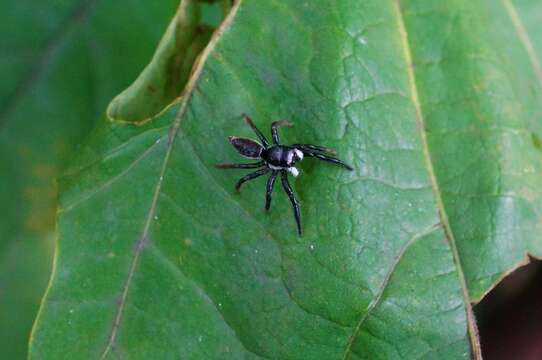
(276, 159)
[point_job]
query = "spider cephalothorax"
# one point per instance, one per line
(276, 158)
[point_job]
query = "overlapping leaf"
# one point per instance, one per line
(166, 75)
(437, 106)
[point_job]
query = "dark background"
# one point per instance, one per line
(510, 316)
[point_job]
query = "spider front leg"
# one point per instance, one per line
(269, 193)
(293, 200)
(310, 147)
(249, 177)
(325, 157)
(275, 131)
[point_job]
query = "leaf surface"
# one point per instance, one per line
(435, 104)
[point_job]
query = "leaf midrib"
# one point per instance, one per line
(471, 322)
(186, 96)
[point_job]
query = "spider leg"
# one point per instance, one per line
(309, 147)
(275, 129)
(250, 176)
(293, 200)
(260, 135)
(327, 158)
(270, 184)
(240, 166)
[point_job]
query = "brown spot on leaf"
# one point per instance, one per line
(537, 142)
(43, 171)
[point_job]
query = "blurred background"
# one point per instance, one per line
(61, 62)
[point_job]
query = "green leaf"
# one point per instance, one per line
(60, 63)
(435, 104)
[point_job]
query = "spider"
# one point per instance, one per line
(277, 159)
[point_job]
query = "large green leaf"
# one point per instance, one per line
(60, 63)
(437, 106)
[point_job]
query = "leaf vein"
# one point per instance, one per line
(108, 183)
(524, 38)
(170, 265)
(385, 283)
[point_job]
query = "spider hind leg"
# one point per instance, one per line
(240, 166)
(257, 131)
